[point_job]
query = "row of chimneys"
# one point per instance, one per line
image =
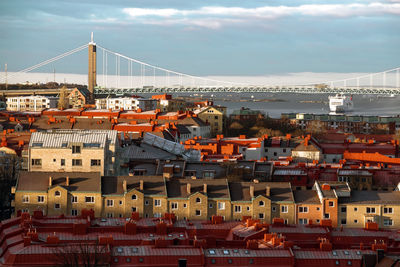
(267, 191)
(125, 186)
(189, 188)
(51, 181)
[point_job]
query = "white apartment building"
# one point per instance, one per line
(126, 103)
(31, 103)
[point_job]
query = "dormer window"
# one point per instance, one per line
(76, 149)
(134, 197)
(57, 193)
(198, 200)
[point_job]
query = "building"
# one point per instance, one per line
(78, 98)
(30, 103)
(168, 104)
(307, 151)
(74, 151)
(278, 147)
(212, 116)
(126, 103)
(246, 114)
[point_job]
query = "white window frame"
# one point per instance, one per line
(221, 205)
(303, 209)
(184, 205)
(261, 205)
(237, 209)
(333, 204)
(56, 207)
(195, 212)
(157, 202)
(92, 199)
(285, 209)
(197, 198)
(387, 220)
(389, 210)
(303, 221)
(210, 206)
(110, 202)
(146, 202)
(174, 205)
(134, 197)
(263, 216)
(74, 212)
(370, 210)
(74, 199)
(25, 199)
(55, 193)
(41, 196)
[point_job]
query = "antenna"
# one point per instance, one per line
(6, 76)
(91, 37)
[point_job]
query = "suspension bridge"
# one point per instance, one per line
(120, 74)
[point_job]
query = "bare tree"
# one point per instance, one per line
(82, 254)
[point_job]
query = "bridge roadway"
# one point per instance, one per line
(27, 92)
(250, 89)
(254, 89)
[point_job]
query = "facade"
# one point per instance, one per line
(307, 151)
(168, 104)
(74, 151)
(278, 147)
(246, 114)
(78, 98)
(212, 116)
(126, 103)
(30, 103)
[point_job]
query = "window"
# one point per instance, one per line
(337, 262)
(208, 174)
(62, 162)
(343, 221)
(261, 216)
(157, 202)
(303, 221)
(89, 199)
(133, 209)
(146, 202)
(76, 162)
(331, 204)
(174, 205)
(317, 208)
(284, 150)
(210, 205)
(221, 205)
(343, 209)
(213, 261)
(57, 206)
(248, 208)
(198, 200)
(355, 209)
(387, 210)
(120, 202)
(57, 193)
(238, 208)
(54, 160)
(184, 205)
(387, 222)
(318, 220)
(273, 209)
(326, 216)
(157, 215)
(74, 212)
(110, 202)
(74, 199)
(76, 149)
(95, 162)
(25, 199)
(230, 261)
(370, 210)
(284, 209)
(40, 199)
(36, 162)
(355, 221)
(303, 209)
(261, 203)
(198, 212)
(349, 263)
(134, 197)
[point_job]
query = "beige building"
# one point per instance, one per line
(30, 103)
(74, 151)
(212, 116)
(58, 193)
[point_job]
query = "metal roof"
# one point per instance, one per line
(56, 138)
(289, 172)
(230, 253)
(334, 254)
(151, 251)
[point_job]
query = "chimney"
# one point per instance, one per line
(205, 188)
(67, 181)
(188, 188)
(268, 191)
(251, 191)
(124, 187)
(141, 185)
(50, 181)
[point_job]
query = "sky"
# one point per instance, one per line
(206, 38)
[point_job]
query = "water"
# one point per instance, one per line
(300, 103)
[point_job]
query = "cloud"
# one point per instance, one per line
(217, 16)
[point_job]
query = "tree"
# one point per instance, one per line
(82, 254)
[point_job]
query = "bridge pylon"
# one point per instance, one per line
(92, 71)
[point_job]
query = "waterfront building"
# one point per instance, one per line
(30, 103)
(126, 103)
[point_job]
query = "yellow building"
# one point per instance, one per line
(212, 116)
(74, 151)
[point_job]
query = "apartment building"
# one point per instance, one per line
(212, 116)
(168, 104)
(78, 98)
(126, 103)
(74, 151)
(30, 103)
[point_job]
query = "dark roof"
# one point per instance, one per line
(79, 181)
(152, 185)
(182, 129)
(306, 197)
(240, 191)
(215, 188)
(372, 197)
